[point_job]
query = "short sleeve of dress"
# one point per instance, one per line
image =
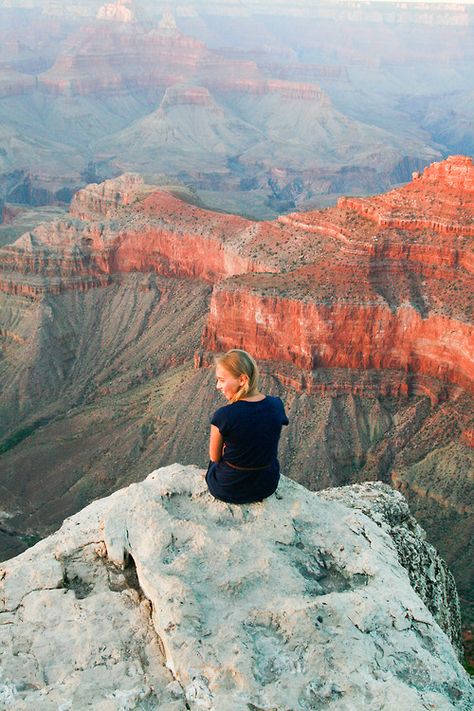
(220, 420)
(284, 418)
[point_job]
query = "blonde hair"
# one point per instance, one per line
(239, 363)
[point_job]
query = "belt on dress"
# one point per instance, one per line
(245, 469)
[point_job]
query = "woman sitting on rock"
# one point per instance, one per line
(244, 438)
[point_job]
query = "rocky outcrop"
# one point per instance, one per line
(105, 199)
(172, 598)
(448, 212)
(168, 24)
(116, 11)
(429, 575)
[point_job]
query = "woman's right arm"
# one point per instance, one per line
(216, 442)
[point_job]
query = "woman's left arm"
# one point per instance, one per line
(216, 442)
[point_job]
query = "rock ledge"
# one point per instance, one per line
(161, 597)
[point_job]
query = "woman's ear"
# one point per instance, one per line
(243, 379)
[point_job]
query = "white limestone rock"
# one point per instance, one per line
(429, 575)
(161, 597)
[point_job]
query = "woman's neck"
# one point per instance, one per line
(253, 398)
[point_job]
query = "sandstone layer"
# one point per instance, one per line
(365, 273)
(173, 598)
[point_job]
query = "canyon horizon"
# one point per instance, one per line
(177, 182)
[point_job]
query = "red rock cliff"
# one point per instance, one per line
(381, 283)
(421, 204)
(344, 287)
(312, 332)
(123, 226)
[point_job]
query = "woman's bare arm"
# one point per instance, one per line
(215, 444)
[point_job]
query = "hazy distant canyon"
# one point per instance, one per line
(261, 108)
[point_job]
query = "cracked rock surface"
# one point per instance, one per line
(161, 597)
(429, 575)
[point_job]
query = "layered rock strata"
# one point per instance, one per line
(126, 226)
(311, 333)
(301, 602)
(448, 212)
(146, 58)
(373, 284)
(361, 285)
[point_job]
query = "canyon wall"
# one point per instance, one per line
(355, 286)
(313, 335)
(166, 236)
(343, 311)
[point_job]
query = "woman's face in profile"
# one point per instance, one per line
(227, 383)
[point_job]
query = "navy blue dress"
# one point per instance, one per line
(249, 469)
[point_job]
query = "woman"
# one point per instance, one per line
(244, 434)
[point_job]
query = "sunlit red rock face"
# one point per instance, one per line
(421, 205)
(380, 283)
(312, 334)
(125, 226)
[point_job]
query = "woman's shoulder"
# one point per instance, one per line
(266, 401)
(274, 401)
(267, 405)
(220, 412)
(277, 406)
